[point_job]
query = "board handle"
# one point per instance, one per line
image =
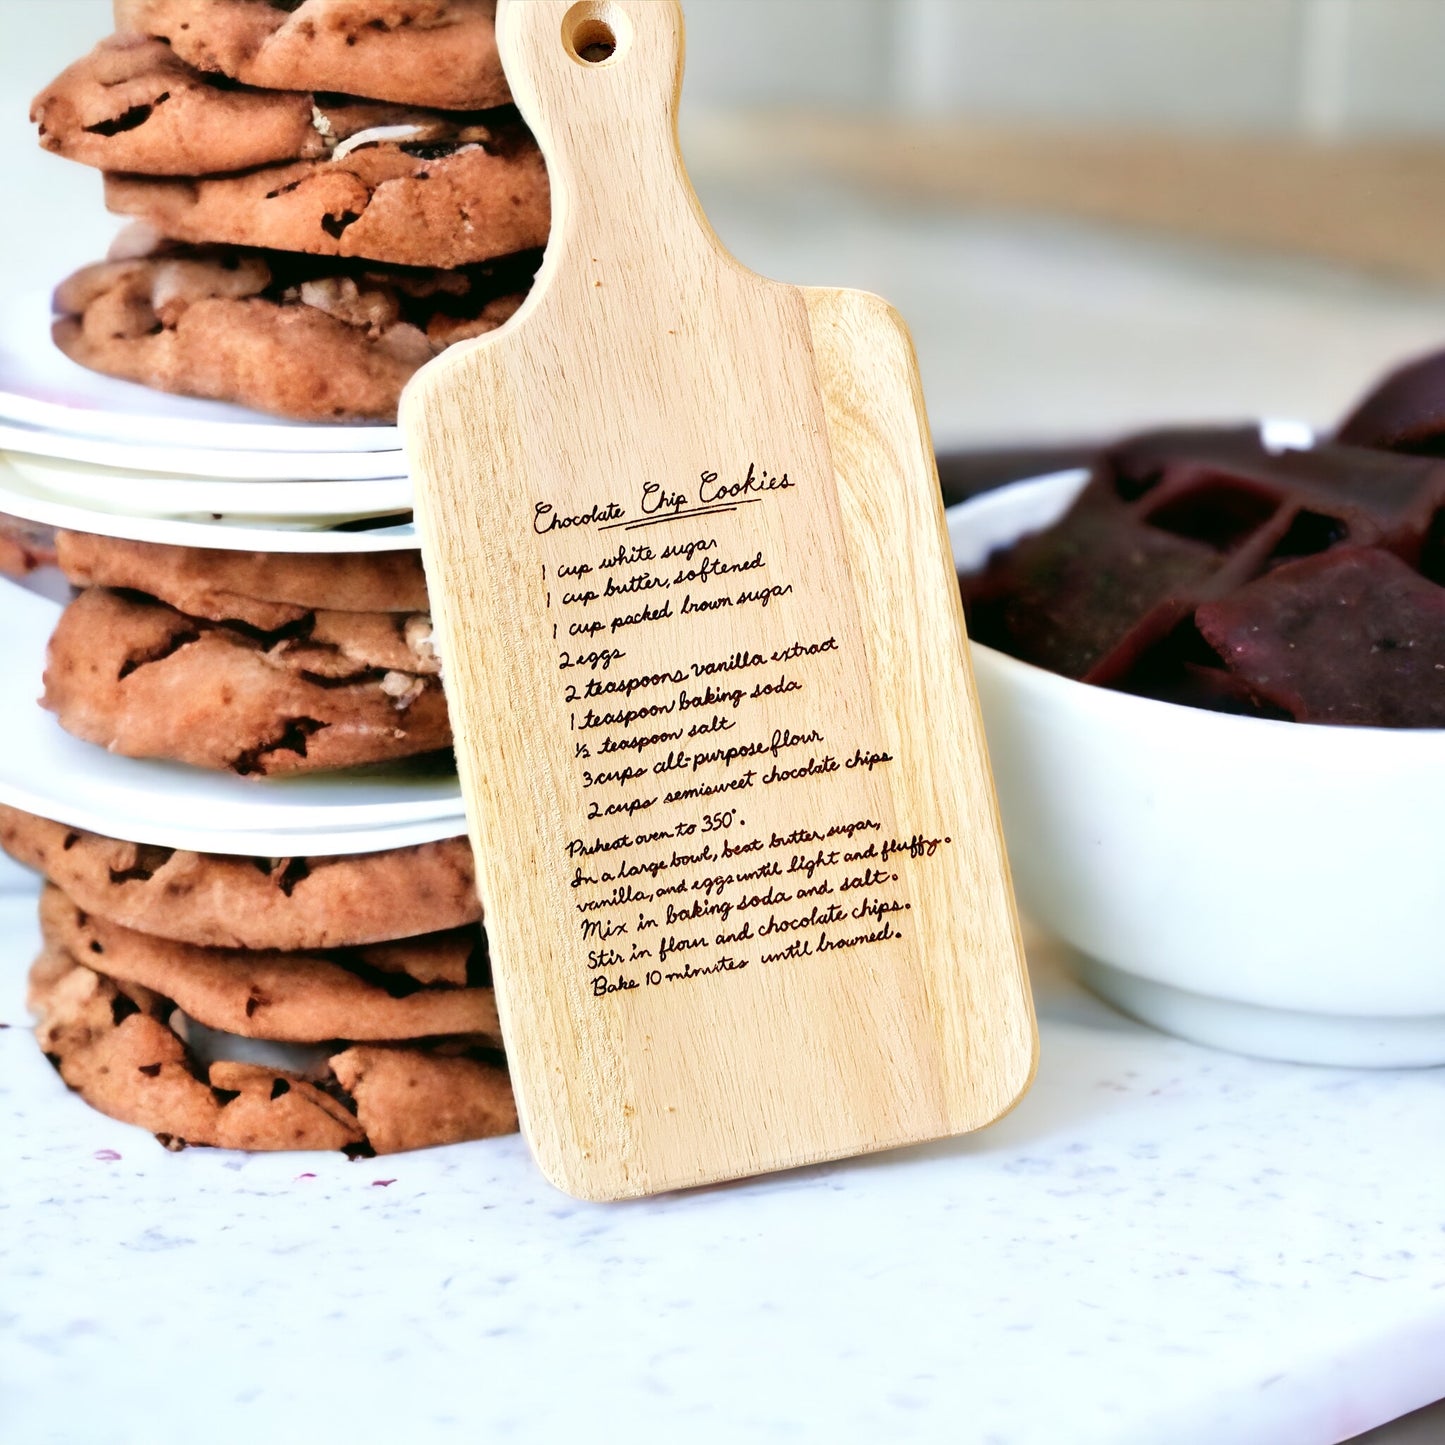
(598, 83)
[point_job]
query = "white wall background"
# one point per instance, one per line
(43, 195)
(1315, 66)
(1318, 68)
(1345, 66)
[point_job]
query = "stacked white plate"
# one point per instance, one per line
(74, 437)
(89, 453)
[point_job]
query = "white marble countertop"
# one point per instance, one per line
(1160, 1244)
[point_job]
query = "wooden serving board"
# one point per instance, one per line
(735, 831)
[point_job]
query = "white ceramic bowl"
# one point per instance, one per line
(1269, 887)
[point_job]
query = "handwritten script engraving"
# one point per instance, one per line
(734, 823)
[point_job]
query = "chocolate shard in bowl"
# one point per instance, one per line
(1136, 465)
(1181, 667)
(1078, 595)
(1174, 522)
(1403, 413)
(1383, 498)
(1352, 635)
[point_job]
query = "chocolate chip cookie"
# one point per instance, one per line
(297, 336)
(133, 105)
(24, 546)
(140, 1056)
(400, 199)
(217, 900)
(335, 690)
(404, 989)
(266, 590)
(422, 52)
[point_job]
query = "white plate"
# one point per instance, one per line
(247, 466)
(44, 770)
(246, 534)
(255, 843)
(146, 494)
(41, 387)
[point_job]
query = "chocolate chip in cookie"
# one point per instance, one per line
(397, 194)
(141, 679)
(298, 336)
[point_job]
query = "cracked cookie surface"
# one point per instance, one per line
(365, 994)
(133, 105)
(225, 901)
(439, 53)
(117, 1045)
(141, 679)
(114, 1047)
(298, 336)
(400, 202)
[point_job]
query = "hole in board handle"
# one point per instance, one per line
(596, 51)
(595, 32)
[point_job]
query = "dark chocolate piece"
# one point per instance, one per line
(1403, 413)
(1176, 527)
(1352, 635)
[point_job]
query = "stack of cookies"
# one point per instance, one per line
(258, 1003)
(326, 195)
(363, 975)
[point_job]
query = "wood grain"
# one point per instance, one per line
(667, 398)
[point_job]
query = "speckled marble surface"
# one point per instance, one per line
(1160, 1244)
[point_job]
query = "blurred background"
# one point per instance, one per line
(1094, 214)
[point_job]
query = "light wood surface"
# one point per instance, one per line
(1377, 205)
(696, 980)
